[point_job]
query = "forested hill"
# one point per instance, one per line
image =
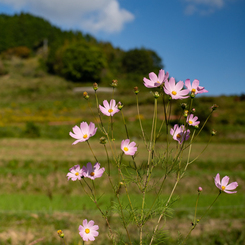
(72, 54)
(28, 30)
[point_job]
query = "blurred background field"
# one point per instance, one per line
(39, 105)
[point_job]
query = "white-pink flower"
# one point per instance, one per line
(128, 148)
(176, 91)
(109, 109)
(223, 184)
(88, 231)
(76, 173)
(83, 133)
(192, 120)
(194, 88)
(93, 172)
(155, 81)
(179, 133)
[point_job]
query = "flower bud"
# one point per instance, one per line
(214, 107)
(213, 132)
(183, 106)
(95, 86)
(85, 95)
(103, 140)
(196, 126)
(199, 189)
(61, 233)
(156, 95)
(119, 105)
(192, 95)
(114, 83)
(186, 113)
(136, 90)
(193, 109)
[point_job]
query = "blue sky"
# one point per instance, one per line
(196, 39)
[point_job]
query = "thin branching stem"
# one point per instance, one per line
(195, 223)
(141, 127)
(92, 151)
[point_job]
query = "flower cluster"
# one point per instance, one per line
(174, 90)
(179, 133)
(91, 172)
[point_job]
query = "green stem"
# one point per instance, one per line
(95, 202)
(150, 157)
(197, 221)
(92, 151)
(166, 205)
(141, 127)
(108, 160)
(125, 125)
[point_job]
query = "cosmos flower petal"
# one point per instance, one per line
(179, 85)
(188, 84)
(195, 83)
(225, 181)
(104, 110)
(231, 186)
(153, 77)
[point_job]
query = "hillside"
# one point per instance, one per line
(36, 104)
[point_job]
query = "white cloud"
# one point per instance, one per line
(203, 7)
(91, 15)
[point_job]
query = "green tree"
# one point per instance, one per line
(141, 61)
(80, 61)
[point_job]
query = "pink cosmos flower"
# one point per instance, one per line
(128, 148)
(93, 172)
(109, 110)
(179, 133)
(75, 173)
(155, 81)
(175, 90)
(88, 231)
(195, 88)
(83, 133)
(192, 121)
(223, 185)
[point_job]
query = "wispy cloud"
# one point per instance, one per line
(203, 7)
(90, 15)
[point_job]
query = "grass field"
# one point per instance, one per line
(36, 199)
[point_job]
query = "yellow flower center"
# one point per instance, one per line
(174, 92)
(193, 90)
(158, 82)
(85, 136)
(125, 148)
(87, 230)
(222, 187)
(190, 122)
(76, 173)
(178, 136)
(92, 174)
(110, 110)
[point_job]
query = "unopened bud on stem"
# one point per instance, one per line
(61, 233)
(85, 95)
(136, 90)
